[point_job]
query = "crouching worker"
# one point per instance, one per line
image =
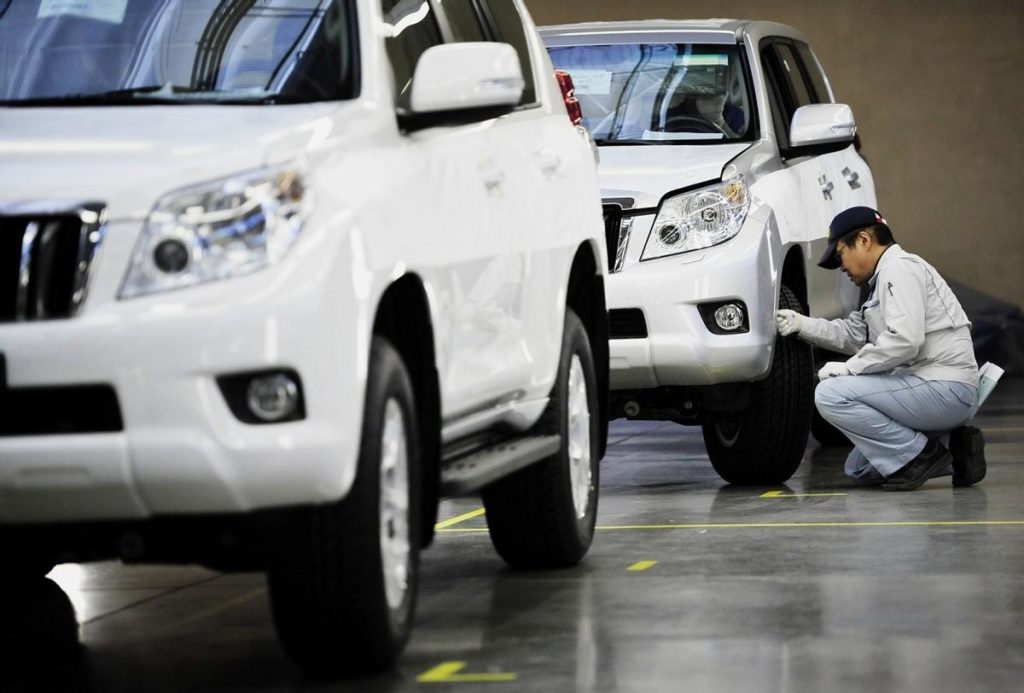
(912, 373)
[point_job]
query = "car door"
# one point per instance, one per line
(815, 180)
(854, 184)
(812, 203)
(529, 146)
(453, 203)
(846, 177)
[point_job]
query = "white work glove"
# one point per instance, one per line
(833, 369)
(789, 322)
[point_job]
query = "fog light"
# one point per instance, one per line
(272, 397)
(729, 317)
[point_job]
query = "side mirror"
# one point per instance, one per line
(823, 127)
(465, 82)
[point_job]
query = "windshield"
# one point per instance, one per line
(660, 93)
(58, 52)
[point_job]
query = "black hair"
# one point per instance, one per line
(881, 233)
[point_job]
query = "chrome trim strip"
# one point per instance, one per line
(625, 229)
(28, 242)
(94, 229)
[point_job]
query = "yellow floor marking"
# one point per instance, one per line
(459, 518)
(642, 565)
(792, 525)
(447, 672)
(783, 494)
(797, 525)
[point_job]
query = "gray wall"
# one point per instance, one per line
(938, 92)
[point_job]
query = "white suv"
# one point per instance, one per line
(275, 277)
(723, 160)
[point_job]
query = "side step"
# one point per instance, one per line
(477, 469)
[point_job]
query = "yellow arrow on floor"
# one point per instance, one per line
(447, 672)
(783, 494)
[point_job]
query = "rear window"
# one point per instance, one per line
(664, 92)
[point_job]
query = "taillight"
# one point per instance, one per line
(572, 104)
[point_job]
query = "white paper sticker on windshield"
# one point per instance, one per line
(592, 81)
(702, 60)
(101, 10)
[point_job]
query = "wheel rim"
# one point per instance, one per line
(394, 504)
(728, 432)
(579, 438)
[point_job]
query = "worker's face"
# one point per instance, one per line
(856, 260)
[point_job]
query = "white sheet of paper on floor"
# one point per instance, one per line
(989, 375)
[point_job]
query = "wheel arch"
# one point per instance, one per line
(403, 317)
(586, 297)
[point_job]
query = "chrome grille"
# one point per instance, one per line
(46, 252)
(617, 226)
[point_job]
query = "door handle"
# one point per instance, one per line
(494, 181)
(549, 162)
(491, 176)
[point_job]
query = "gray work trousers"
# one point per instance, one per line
(889, 418)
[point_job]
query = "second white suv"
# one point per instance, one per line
(276, 277)
(723, 160)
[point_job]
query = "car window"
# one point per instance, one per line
(794, 75)
(464, 20)
(507, 25)
(780, 101)
(413, 30)
(813, 70)
(679, 93)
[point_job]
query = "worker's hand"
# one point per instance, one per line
(789, 322)
(833, 369)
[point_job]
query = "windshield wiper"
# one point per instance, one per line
(153, 93)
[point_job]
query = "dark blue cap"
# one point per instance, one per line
(848, 221)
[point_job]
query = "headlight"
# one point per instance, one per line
(218, 230)
(698, 219)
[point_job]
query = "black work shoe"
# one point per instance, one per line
(932, 460)
(967, 445)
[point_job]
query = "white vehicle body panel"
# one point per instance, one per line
(444, 205)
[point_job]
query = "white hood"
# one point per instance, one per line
(129, 157)
(646, 172)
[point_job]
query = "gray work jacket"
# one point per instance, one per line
(911, 323)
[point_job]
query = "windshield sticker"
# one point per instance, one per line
(701, 60)
(660, 136)
(597, 82)
(101, 10)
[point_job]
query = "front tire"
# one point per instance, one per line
(543, 516)
(764, 444)
(343, 591)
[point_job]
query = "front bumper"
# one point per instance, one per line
(680, 350)
(181, 450)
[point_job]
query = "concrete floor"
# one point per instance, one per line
(815, 586)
